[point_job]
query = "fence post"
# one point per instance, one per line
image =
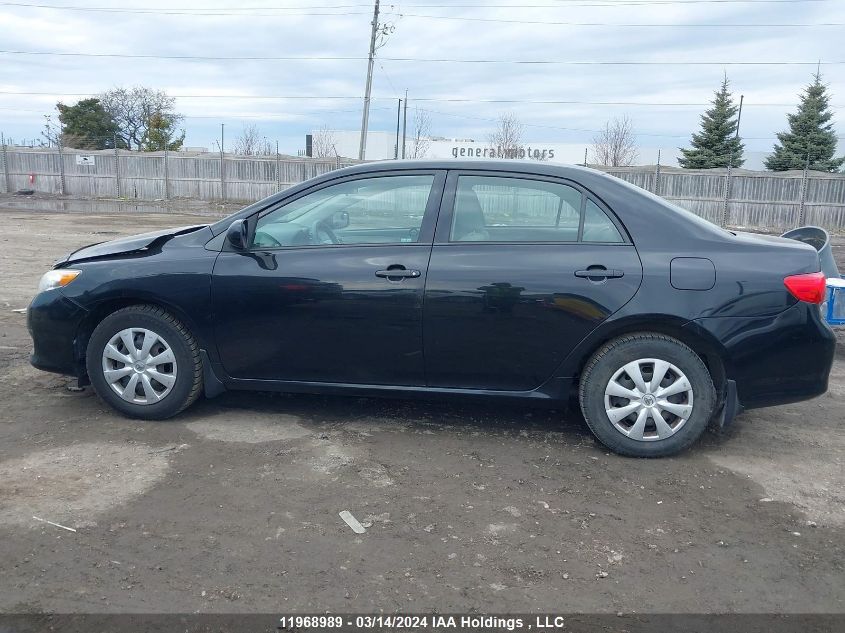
(278, 169)
(116, 168)
(222, 165)
(62, 168)
(657, 176)
(166, 180)
(803, 192)
(725, 209)
(7, 179)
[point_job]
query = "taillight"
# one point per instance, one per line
(809, 287)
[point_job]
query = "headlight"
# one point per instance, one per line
(57, 278)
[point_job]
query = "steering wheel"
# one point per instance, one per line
(322, 229)
(265, 239)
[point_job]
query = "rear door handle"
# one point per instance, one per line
(391, 273)
(599, 272)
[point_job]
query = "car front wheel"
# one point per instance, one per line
(646, 395)
(144, 362)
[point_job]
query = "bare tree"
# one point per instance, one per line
(506, 140)
(323, 142)
(249, 142)
(615, 145)
(421, 133)
(133, 108)
(51, 133)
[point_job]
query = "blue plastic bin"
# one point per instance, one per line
(834, 308)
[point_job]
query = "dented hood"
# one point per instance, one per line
(131, 244)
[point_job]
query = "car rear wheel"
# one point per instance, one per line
(646, 395)
(143, 362)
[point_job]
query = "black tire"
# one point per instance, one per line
(604, 364)
(188, 375)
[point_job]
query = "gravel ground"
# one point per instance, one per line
(233, 506)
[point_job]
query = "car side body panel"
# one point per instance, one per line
(747, 321)
(321, 314)
(509, 327)
(174, 273)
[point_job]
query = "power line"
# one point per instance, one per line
(433, 60)
(570, 129)
(616, 24)
(217, 117)
(215, 11)
(402, 14)
(301, 96)
(193, 12)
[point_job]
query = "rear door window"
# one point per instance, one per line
(497, 209)
(598, 227)
(514, 209)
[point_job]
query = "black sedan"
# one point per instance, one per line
(500, 279)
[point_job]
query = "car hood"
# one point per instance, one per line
(131, 244)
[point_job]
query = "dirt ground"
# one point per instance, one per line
(233, 506)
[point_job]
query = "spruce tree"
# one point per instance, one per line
(716, 143)
(810, 134)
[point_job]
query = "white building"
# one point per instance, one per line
(382, 145)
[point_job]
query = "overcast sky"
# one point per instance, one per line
(537, 30)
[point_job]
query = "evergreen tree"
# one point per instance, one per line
(810, 134)
(160, 134)
(86, 125)
(716, 143)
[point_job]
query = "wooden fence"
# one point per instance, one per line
(157, 175)
(738, 198)
(753, 199)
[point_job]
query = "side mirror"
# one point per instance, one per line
(340, 220)
(238, 234)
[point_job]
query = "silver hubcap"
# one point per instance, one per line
(648, 399)
(139, 365)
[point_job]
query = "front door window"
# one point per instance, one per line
(381, 210)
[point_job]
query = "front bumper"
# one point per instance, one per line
(775, 360)
(54, 322)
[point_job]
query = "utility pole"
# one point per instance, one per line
(404, 122)
(365, 120)
(398, 114)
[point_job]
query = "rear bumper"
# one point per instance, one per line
(53, 322)
(775, 360)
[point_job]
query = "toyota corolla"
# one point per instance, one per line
(498, 279)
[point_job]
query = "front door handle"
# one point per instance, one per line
(598, 273)
(398, 273)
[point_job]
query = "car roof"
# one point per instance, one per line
(518, 166)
